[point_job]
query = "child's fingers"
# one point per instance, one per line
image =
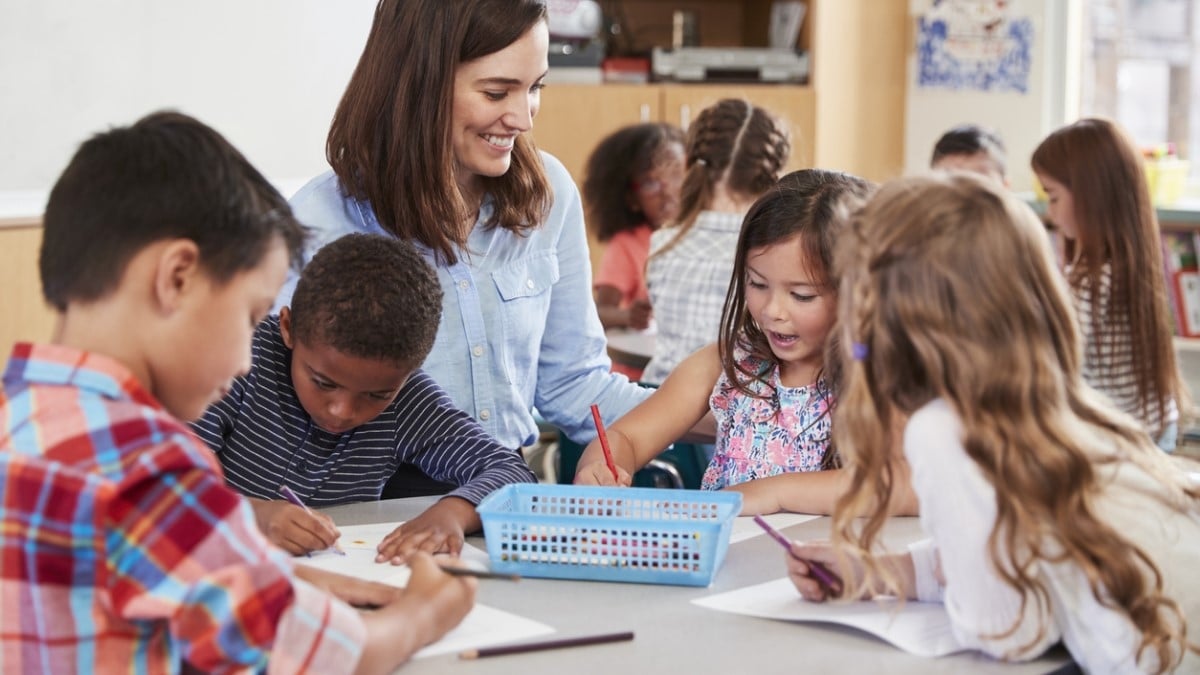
(597, 473)
(316, 532)
(400, 549)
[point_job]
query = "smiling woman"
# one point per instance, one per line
(430, 143)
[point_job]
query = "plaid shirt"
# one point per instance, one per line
(687, 286)
(122, 548)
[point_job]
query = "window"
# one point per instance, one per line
(1141, 67)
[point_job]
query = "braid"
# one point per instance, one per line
(734, 141)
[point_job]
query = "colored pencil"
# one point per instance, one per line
(479, 574)
(286, 493)
(604, 442)
(822, 574)
(546, 644)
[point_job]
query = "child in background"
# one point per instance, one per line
(631, 189)
(766, 382)
(335, 401)
(1051, 514)
(735, 151)
(123, 547)
(1099, 200)
(970, 147)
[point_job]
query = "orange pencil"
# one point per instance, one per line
(604, 442)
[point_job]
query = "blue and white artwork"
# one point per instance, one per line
(974, 44)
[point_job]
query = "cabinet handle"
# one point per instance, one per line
(685, 115)
(644, 113)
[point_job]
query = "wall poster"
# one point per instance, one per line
(977, 45)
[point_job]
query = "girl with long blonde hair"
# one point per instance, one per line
(1051, 514)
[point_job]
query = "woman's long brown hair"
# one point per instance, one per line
(390, 141)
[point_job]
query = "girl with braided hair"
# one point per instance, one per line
(1051, 513)
(734, 152)
(767, 382)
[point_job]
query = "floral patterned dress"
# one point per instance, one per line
(785, 432)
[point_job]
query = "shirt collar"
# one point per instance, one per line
(61, 365)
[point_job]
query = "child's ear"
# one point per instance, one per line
(177, 272)
(285, 326)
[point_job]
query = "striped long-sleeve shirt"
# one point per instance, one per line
(266, 439)
(123, 549)
(1109, 365)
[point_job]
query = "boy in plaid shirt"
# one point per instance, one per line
(123, 548)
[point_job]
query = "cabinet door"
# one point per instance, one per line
(575, 117)
(23, 314)
(794, 104)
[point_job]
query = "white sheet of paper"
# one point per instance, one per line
(482, 627)
(744, 527)
(359, 542)
(920, 628)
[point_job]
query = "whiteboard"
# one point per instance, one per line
(267, 74)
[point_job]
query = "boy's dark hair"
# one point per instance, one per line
(616, 162)
(167, 176)
(369, 296)
(970, 139)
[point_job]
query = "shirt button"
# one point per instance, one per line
(464, 284)
(485, 415)
(478, 350)
(529, 283)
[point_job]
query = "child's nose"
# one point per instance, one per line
(341, 408)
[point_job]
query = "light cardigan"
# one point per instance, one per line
(958, 510)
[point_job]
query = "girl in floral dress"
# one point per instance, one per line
(766, 382)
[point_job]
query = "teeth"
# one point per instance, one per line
(502, 141)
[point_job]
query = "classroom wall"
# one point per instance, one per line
(266, 73)
(1022, 118)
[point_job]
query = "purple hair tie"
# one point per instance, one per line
(858, 350)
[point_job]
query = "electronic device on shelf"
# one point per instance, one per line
(575, 27)
(729, 64)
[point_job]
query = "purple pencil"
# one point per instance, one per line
(822, 574)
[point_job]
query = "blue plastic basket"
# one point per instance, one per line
(636, 535)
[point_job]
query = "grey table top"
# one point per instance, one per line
(672, 634)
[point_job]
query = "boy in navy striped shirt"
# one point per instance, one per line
(335, 401)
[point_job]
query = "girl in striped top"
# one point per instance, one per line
(1099, 200)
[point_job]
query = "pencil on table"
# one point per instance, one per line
(478, 574)
(546, 644)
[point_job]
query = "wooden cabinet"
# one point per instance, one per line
(794, 105)
(849, 117)
(575, 117)
(23, 315)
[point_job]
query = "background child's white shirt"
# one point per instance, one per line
(958, 509)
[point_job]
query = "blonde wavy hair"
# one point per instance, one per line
(949, 290)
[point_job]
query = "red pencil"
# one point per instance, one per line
(604, 442)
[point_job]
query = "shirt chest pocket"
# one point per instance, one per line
(525, 288)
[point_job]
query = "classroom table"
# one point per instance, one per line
(632, 348)
(672, 635)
